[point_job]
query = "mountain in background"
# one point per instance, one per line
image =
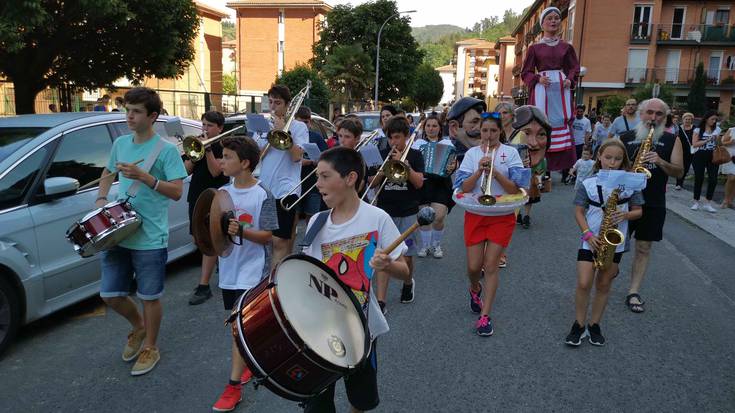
(432, 33)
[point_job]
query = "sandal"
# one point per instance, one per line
(636, 308)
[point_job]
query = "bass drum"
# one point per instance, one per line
(300, 329)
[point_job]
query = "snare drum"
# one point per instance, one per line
(103, 228)
(301, 329)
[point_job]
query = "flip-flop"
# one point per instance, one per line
(636, 308)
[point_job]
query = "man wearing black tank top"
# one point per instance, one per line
(663, 160)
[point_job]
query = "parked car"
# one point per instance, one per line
(39, 271)
(318, 124)
(370, 121)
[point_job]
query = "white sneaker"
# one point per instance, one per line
(423, 252)
(678, 188)
(438, 253)
(708, 208)
(695, 206)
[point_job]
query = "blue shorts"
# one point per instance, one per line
(118, 266)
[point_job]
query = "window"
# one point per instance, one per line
(14, 185)
(677, 24)
(13, 138)
(570, 22)
(636, 72)
(82, 155)
(722, 17)
(642, 21)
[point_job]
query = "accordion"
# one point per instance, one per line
(437, 157)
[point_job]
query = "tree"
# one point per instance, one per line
(612, 105)
(696, 100)
(295, 79)
(228, 30)
(88, 43)
(646, 92)
(399, 52)
(228, 84)
(437, 55)
(349, 72)
(428, 88)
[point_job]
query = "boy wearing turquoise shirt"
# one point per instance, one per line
(144, 252)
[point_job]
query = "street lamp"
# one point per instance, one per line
(377, 52)
(580, 91)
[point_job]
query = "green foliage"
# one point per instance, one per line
(295, 79)
(428, 88)
(349, 72)
(612, 105)
(437, 55)
(228, 84)
(646, 92)
(697, 95)
(228, 30)
(399, 52)
(434, 32)
(89, 43)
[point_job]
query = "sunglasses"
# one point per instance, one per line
(494, 115)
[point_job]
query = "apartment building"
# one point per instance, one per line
(476, 68)
(625, 44)
(273, 36)
(447, 73)
(505, 56)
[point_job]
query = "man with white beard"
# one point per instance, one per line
(665, 159)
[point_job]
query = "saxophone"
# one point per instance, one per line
(609, 236)
(638, 165)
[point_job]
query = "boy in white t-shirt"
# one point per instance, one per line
(351, 242)
(582, 168)
(255, 219)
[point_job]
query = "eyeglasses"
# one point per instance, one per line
(652, 112)
(494, 115)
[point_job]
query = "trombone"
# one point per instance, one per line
(281, 138)
(364, 141)
(195, 148)
(487, 197)
(395, 171)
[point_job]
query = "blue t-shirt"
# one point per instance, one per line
(151, 206)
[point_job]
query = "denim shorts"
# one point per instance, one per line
(312, 203)
(404, 223)
(126, 271)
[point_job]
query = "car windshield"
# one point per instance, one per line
(13, 138)
(370, 122)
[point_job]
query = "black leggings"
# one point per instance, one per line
(687, 165)
(703, 160)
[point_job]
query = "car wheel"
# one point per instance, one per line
(9, 313)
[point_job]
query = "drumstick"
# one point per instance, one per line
(424, 217)
(88, 184)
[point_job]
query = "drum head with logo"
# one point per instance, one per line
(322, 310)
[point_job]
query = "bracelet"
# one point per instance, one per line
(155, 186)
(585, 230)
(101, 197)
(587, 235)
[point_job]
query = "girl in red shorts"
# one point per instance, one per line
(486, 237)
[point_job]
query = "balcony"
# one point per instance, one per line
(695, 35)
(679, 77)
(640, 33)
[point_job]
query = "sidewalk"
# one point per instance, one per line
(720, 224)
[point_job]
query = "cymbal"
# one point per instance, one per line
(200, 222)
(222, 210)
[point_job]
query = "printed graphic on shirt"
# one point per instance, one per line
(244, 218)
(349, 258)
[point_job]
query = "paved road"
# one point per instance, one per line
(675, 357)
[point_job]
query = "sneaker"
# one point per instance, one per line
(423, 252)
(595, 335)
(147, 360)
(200, 295)
(229, 399)
(503, 261)
(407, 292)
(678, 187)
(526, 222)
(484, 326)
(438, 252)
(383, 308)
(134, 344)
(246, 376)
(476, 301)
(695, 206)
(519, 219)
(708, 208)
(575, 336)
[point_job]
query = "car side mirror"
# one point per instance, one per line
(59, 187)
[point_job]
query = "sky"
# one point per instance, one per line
(463, 13)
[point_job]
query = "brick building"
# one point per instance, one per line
(273, 36)
(476, 68)
(625, 44)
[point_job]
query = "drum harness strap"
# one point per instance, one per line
(149, 161)
(601, 204)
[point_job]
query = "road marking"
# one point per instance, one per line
(696, 270)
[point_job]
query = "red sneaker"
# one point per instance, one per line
(229, 399)
(246, 376)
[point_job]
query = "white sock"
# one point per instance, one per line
(425, 238)
(436, 237)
